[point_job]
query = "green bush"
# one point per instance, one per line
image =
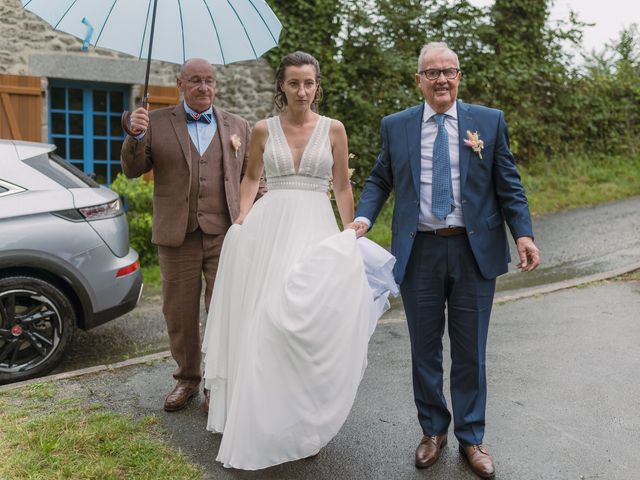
(138, 200)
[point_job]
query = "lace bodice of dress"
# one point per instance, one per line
(315, 164)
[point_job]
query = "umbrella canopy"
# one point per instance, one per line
(221, 31)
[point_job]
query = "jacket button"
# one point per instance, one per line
(464, 201)
(471, 232)
(226, 179)
(412, 234)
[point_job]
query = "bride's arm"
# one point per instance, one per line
(251, 181)
(341, 183)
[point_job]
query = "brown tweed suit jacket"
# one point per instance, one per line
(165, 148)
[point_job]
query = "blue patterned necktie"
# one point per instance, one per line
(198, 117)
(442, 190)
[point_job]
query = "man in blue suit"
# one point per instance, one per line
(455, 185)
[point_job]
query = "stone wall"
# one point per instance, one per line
(30, 46)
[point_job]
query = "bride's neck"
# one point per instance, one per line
(298, 119)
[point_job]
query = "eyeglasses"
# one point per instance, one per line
(434, 73)
(196, 81)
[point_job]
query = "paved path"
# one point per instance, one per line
(564, 400)
(580, 243)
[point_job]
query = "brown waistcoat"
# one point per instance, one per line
(207, 201)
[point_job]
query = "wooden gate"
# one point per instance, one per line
(20, 108)
(160, 96)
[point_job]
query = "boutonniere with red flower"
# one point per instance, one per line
(236, 143)
(473, 141)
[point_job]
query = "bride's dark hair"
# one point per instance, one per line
(295, 59)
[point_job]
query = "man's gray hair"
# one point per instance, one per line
(433, 46)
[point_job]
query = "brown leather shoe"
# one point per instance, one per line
(179, 396)
(479, 460)
(429, 449)
(207, 397)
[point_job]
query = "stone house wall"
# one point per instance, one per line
(30, 46)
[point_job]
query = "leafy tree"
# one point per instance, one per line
(512, 58)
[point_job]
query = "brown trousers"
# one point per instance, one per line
(182, 269)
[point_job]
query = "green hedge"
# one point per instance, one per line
(138, 200)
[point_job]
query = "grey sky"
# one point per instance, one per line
(610, 16)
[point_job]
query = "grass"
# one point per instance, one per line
(46, 435)
(576, 181)
(152, 279)
(630, 277)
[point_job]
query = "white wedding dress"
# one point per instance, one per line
(291, 314)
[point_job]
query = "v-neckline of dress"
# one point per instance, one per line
(304, 151)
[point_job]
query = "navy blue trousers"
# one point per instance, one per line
(442, 275)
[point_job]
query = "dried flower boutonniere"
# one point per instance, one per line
(473, 141)
(235, 143)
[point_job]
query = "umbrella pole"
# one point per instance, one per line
(145, 97)
(126, 116)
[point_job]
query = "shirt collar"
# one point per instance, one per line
(188, 109)
(430, 112)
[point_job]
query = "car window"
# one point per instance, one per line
(60, 171)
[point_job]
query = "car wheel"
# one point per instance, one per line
(36, 324)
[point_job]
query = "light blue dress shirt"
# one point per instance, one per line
(201, 133)
(427, 220)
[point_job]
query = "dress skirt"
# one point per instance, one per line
(286, 338)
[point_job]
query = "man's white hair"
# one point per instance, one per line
(433, 46)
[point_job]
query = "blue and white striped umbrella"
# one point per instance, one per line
(222, 31)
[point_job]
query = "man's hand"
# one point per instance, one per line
(360, 227)
(139, 121)
(529, 254)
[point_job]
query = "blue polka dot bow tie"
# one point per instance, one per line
(198, 117)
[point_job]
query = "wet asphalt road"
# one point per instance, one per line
(573, 244)
(563, 399)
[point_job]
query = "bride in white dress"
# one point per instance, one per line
(291, 314)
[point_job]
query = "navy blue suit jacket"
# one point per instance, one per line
(491, 191)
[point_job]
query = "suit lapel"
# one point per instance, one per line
(413, 131)
(180, 127)
(465, 122)
(223, 130)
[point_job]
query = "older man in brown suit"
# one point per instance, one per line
(198, 154)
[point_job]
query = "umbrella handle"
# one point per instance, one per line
(125, 119)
